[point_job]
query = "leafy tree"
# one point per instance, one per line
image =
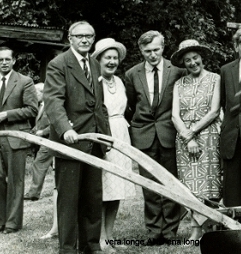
(126, 20)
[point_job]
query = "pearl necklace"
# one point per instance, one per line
(111, 85)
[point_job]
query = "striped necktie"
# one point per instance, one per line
(87, 73)
(2, 91)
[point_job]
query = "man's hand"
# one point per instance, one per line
(71, 137)
(3, 116)
(39, 133)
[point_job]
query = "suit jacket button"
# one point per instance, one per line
(90, 103)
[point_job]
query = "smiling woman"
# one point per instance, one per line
(195, 114)
(193, 62)
(110, 53)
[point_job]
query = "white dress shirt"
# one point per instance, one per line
(80, 57)
(150, 78)
(6, 77)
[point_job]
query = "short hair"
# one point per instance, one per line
(7, 48)
(83, 22)
(237, 37)
(148, 37)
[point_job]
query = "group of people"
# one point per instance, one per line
(173, 117)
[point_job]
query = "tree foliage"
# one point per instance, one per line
(126, 20)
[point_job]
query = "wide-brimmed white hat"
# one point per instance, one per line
(187, 46)
(107, 43)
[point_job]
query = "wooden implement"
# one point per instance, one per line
(179, 193)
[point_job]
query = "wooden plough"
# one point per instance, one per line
(169, 186)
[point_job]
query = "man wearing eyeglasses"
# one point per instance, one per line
(74, 104)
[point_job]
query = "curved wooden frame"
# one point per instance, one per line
(170, 187)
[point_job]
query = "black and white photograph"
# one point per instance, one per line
(120, 126)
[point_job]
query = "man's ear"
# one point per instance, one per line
(70, 40)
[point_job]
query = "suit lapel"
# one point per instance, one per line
(12, 82)
(94, 74)
(235, 75)
(142, 77)
(166, 72)
(77, 71)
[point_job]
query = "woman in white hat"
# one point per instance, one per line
(196, 108)
(110, 53)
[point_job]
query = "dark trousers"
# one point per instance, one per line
(41, 164)
(162, 215)
(79, 204)
(12, 173)
(232, 178)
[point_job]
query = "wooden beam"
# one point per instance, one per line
(180, 197)
(33, 33)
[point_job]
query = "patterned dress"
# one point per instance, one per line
(114, 187)
(202, 173)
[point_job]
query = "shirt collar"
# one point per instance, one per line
(78, 55)
(149, 67)
(6, 76)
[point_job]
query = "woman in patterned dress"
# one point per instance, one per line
(196, 108)
(110, 53)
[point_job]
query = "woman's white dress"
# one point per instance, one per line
(114, 187)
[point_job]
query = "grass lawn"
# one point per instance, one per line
(129, 226)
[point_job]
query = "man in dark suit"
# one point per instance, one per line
(43, 159)
(74, 104)
(18, 104)
(230, 142)
(149, 87)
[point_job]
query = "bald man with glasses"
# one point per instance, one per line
(73, 100)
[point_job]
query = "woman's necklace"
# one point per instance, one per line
(111, 85)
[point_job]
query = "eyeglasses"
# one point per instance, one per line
(7, 60)
(82, 36)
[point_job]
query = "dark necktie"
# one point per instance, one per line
(87, 73)
(156, 90)
(2, 91)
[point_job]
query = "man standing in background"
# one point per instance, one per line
(18, 104)
(43, 159)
